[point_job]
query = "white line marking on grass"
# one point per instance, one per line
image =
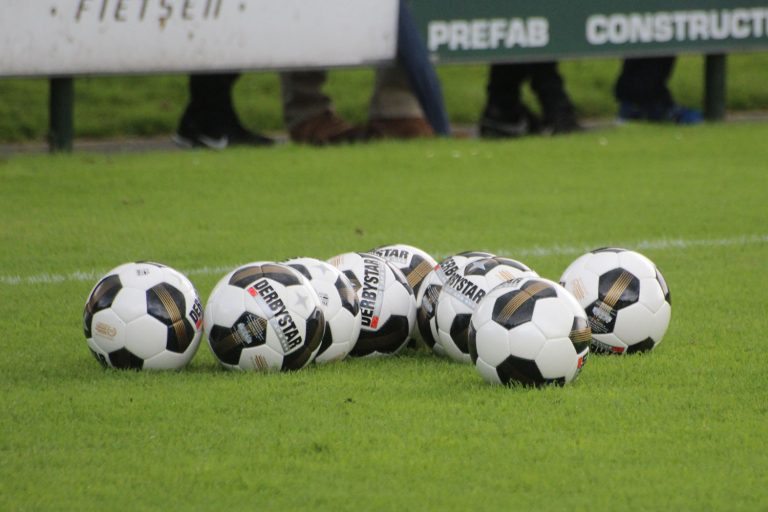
(519, 253)
(643, 245)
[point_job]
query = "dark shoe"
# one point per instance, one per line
(560, 121)
(400, 128)
(517, 122)
(659, 113)
(326, 129)
(217, 130)
(241, 136)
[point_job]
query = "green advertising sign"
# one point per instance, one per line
(497, 30)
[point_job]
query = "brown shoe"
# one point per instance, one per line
(326, 128)
(400, 128)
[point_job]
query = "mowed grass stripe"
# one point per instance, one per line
(555, 250)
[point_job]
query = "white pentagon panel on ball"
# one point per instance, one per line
(145, 337)
(451, 350)
(660, 323)
(168, 360)
(651, 294)
(140, 275)
(526, 341)
(558, 359)
(262, 358)
(483, 313)
(226, 304)
(179, 280)
(572, 301)
(582, 283)
(632, 324)
(130, 303)
(487, 372)
(600, 262)
(438, 348)
(403, 301)
(447, 310)
(553, 316)
(492, 343)
(108, 330)
(637, 263)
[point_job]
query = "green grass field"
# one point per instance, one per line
(681, 428)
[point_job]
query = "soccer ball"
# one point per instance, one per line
(264, 316)
(625, 297)
(529, 331)
(426, 299)
(463, 288)
(143, 315)
(414, 263)
(340, 304)
(387, 304)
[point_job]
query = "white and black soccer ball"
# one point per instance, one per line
(626, 299)
(143, 315)
(426, 299)
(387, 303)
(531, 332)
(413, 262)
(464, 286)
(340, 304)
(264, 316)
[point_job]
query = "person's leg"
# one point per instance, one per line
(558, 112)
(643, 81)
(394, 110)
(642, 92)
(303, 96)
(414, 62)
(504, 114)
(209, 120)
(308, 112)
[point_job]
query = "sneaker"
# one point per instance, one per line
(217, 131)
(326, 128)
(400, 128)
(510, 124)
(659, 113)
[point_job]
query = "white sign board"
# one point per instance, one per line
(71, 37)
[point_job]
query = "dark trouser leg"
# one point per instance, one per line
(558, 112)
(504, 114)
(643, 81)
(210, 93)
(504, 85)
(413, 57)
(549, 87)
(303, 97)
